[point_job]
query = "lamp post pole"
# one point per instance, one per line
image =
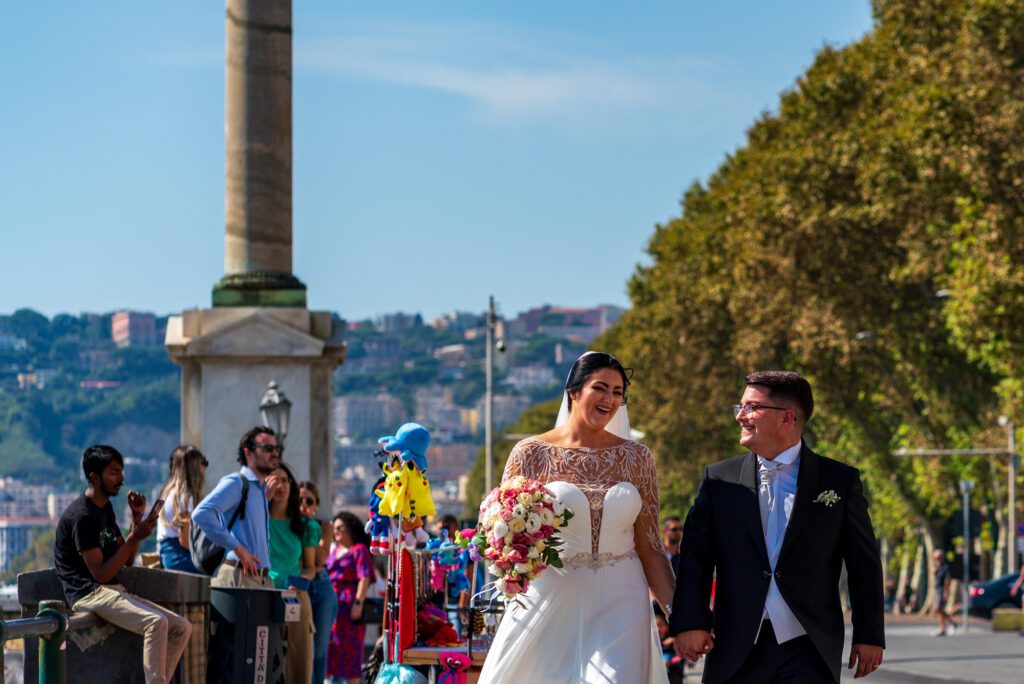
(489, 401)
(1011, 494)
(965, 487)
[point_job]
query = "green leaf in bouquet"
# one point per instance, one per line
(567, 515)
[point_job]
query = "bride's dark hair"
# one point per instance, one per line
(587, 365)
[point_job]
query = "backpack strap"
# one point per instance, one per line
(240, 511)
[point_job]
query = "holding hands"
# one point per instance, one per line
(694, 644)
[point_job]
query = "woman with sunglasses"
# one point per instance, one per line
(184, 489)
(293, 542)
(321, 591)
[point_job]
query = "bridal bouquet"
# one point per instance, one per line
(518, 533)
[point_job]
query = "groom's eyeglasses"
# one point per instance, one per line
(747, 409)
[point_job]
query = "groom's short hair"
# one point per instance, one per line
(786, 386)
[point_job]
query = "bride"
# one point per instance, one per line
(592, 620)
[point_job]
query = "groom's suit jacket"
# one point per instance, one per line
(723, 538)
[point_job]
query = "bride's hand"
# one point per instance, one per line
(693, 644)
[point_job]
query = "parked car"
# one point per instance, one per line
(995, 593)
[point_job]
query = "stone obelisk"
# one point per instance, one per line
(258, 137)
(259, 328)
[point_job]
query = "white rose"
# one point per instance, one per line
(524, 568)
(495, 570)
(533, 552)
(519, 511)
(533, 523)
(547, 517)
(516, 525)
(558, 506)
(500, 529)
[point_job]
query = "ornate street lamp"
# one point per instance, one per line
(275, 408)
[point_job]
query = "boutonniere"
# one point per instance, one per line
(828, 497)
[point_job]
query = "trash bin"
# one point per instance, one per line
(245, 644)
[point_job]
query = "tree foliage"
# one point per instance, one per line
(869, 234)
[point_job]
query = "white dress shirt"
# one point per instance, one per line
(776, 504)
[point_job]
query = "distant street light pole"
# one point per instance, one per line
(489, 400)
(1011, 493)
(966, 486)
(1011, 481)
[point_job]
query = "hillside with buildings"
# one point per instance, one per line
(74, 380)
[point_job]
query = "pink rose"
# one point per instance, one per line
(546, 531)
(506, 514)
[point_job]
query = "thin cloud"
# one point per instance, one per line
(504, 79)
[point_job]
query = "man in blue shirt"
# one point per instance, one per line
(248, 557)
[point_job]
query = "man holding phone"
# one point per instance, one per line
(89, 552)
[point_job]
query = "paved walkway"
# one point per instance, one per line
(914, 656)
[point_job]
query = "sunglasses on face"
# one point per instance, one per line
(269, 448)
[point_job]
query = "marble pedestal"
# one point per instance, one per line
(229, 354)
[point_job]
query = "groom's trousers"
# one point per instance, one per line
(793, 662)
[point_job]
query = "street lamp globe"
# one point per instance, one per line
(275, 409)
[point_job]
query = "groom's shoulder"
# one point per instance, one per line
(834, 468)
(727, 469)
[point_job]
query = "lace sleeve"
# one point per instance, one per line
(646, 537)
(515, 464)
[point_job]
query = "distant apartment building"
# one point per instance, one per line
(367, 416)
(12, 343)
(128, 328)
(56, 502)
(436, 410)
(16, 534)
(37, 379)
(397, 322)
(530, 377)
(457, 321)
(577, 324)
(19, 499)
(507, 409)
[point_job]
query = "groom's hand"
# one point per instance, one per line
(693, 644)
(869, 657)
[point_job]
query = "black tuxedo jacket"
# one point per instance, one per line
(722, 538)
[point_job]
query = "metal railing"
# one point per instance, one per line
(50, 625)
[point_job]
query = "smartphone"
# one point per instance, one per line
(158, 506)
(298, 582)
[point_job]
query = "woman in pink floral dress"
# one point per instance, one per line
(351, 570)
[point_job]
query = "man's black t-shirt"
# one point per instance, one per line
(83, 526)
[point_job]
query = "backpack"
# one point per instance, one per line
(206, 554)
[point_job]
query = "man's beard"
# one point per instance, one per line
(265, 469)
(110, 493)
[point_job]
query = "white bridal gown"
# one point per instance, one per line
(592, 620)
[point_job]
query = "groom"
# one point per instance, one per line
(773, 528)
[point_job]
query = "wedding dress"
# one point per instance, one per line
(592, 620)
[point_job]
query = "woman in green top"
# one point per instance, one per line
(293, 542)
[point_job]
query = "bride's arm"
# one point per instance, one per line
(514, 464)
(646, 536)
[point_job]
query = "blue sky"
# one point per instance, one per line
(443, 151)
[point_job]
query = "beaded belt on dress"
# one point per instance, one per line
(597, 560)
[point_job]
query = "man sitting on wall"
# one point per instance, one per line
(89, 552)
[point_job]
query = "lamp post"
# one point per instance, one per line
(965, 488)
(275, 409)
(489, 399)
(1011, 493)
